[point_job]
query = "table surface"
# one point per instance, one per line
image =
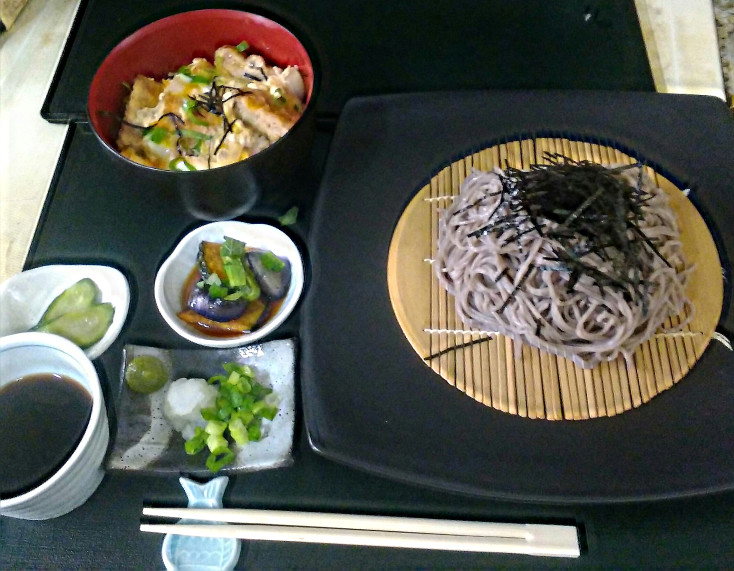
(103, 533)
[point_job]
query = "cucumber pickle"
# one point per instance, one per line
(76, 315)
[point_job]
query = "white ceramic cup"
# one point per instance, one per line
(71, 485)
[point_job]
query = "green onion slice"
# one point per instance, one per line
(272, 262)
(290, 217)
(157, 134)
(195, 134)
(180, 164)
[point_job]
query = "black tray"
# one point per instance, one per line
(95, 216)
(366, 47)
(371, 402)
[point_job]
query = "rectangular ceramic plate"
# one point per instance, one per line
(145, 440)
(404, 421)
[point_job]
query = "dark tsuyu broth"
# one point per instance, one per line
(42, 419)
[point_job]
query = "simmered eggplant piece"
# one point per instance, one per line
(216, 309)
(210, 260)
(245, 323)
(273, 273)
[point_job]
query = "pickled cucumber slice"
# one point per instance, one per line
(79, 296)
(84, 327)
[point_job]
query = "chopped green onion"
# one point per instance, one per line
(201, 79)
(235, 270)
(218, 460)
(196, 149)
(241, 405)
(290, 217)
(213, 279)
(272, 262)
(238, 431)
(181, 164)
(157, 134)
(231, 248)
(225, 408)
(236, 399)
(189, 107)
(209, 413)
(242, 46)
(195, 134)
(278, 95)
(196, 443)
(245, 416)
(217, 379)
(233, 378)
(231, 252)
(269, 412)
(215, 427)
(217, 291)
(216, 442)
(254, 432)
(258, 407)
(244, 370)
(247, 403)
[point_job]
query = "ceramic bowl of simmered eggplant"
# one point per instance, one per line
(228, 284)
(213, 107)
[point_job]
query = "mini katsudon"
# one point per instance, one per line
(207, 115)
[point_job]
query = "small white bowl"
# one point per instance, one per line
(25, 297)
(172, 275)
(71, 485)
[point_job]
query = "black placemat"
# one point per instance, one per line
(404, 420)
(366, 47)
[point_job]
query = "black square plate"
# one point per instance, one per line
(369, 400)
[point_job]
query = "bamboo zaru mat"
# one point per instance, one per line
(530, 382)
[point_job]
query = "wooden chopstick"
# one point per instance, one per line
(385, 531)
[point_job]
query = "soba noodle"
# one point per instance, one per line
(508, 278)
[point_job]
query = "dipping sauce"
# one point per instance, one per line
(42, 420)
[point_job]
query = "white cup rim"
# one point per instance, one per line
(95, 390)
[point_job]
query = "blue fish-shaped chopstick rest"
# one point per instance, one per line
(183, 553)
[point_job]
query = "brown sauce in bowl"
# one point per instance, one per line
(42, 420)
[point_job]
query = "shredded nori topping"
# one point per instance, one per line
(595, 211)
(212, 101)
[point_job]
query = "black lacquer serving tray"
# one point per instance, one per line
(364, 47)
(94, 215)
(371, 402)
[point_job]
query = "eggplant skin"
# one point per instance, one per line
(215, 309)
(274, 285)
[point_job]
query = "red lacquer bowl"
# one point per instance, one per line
(165, 45)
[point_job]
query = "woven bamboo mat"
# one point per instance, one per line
(530, 382)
